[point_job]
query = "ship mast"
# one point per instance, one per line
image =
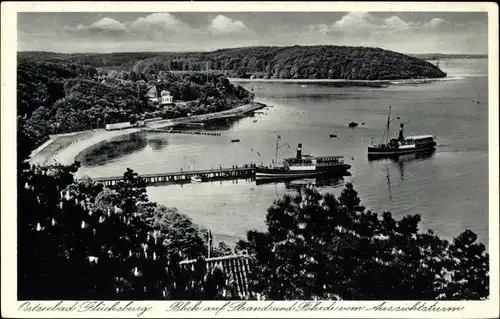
(278, 137)
(389, 120)
(276, 157)
(388, 124)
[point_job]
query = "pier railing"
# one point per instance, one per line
(244, 171)
(173, 131)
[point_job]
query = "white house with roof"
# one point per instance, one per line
(166, 98)
(159, 94)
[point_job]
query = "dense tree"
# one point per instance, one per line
(317, 246)
(469, 269)
(306, 62)
(181, 234)
(221, 249)
(77, 240)
(58, 97)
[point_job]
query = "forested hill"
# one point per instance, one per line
(295, 62)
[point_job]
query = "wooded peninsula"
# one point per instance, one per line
(291, 62)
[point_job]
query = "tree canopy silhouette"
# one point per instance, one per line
(320, 247)
(78, 240)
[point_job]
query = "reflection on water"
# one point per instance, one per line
(289, 183)
(112, 149)
(318, 182)
(157, 143)
(399, 161)
(221, 124)
(121, 146)
(403, 157)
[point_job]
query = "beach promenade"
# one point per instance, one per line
(64, 148)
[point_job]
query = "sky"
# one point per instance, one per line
(406, 32)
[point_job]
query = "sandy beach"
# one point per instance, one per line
(66, 152)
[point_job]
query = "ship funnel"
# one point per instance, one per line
(299, 151)
(401, 127)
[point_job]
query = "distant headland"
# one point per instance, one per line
(291, 62)
(447, 56)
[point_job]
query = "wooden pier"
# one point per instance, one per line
(235, 172)
(172, 131)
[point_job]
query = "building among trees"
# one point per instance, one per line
(166, 98)
(159, 94)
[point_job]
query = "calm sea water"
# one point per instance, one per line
(448, 189)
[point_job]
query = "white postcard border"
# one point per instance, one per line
(10, 306)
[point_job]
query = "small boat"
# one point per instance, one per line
(402, 144)
(235, 141)
(196, 179)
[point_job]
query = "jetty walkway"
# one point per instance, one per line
(235, 172)
(172, 131)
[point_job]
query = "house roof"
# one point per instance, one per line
(236, 267)
(156, 89)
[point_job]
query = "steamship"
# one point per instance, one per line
(402, 144)
(303, 166)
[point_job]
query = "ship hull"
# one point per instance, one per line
(272, 173)
(395, 151)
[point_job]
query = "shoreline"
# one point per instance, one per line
(449, 77)
(340, 81)
(67, 154)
